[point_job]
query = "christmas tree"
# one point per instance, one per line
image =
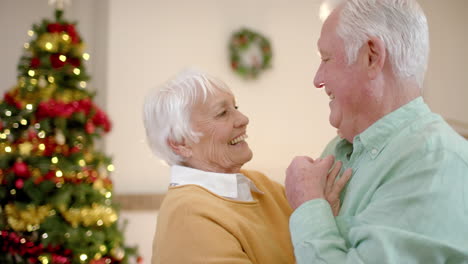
(56, 202)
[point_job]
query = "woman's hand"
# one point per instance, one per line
(333, 189)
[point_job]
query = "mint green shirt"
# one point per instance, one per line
(407, 201)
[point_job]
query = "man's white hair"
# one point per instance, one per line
(400, 24)
(167, 110)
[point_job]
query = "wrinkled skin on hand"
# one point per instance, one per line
(308, 179)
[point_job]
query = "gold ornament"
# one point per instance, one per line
(98, 256)
(65, 42)
(103, 249)
(117, 253)
(49, 42)
(25, 148)
(36, 173)
(88, 156)
(98, 185)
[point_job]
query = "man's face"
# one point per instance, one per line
(342, 82)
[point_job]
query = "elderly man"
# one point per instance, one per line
(407, 201)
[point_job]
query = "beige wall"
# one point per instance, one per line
(446, 87)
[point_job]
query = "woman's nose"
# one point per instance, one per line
(241, 119)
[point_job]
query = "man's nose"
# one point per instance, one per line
(318, 81)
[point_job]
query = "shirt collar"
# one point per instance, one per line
(376, 137)
(230, 185)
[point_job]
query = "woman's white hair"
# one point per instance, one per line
(400, 24)
(167, 110)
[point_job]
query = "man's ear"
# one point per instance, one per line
(376, 55)
(180, 148)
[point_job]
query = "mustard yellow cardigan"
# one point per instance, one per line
(197, 226)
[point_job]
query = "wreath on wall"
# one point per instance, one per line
(250, 53)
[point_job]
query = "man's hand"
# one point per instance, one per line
(307, 179)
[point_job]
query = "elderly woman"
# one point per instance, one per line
(213, 211)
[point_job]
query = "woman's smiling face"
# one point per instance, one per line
(221, 146)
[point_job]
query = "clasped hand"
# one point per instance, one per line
(308, 179)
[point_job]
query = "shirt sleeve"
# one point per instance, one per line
(191, 237)
(417, 214)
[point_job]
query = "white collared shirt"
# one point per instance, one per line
(234, 186)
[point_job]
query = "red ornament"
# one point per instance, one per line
(21, 169)
(50, 175)
(140, 260)
(55, 61)
(74, 150)
(74, 61)
(39, 180)
(89, 127)
(49, 147)
(19, 183)
(35, 62)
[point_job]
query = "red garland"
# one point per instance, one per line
(54, 108)
(10, 99)
(10, 243)
(54, 28)
(57, 63)
(69, 28)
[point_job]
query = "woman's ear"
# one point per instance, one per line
(180, 148)
(376, 55)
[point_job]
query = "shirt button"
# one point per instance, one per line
(374, 151)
